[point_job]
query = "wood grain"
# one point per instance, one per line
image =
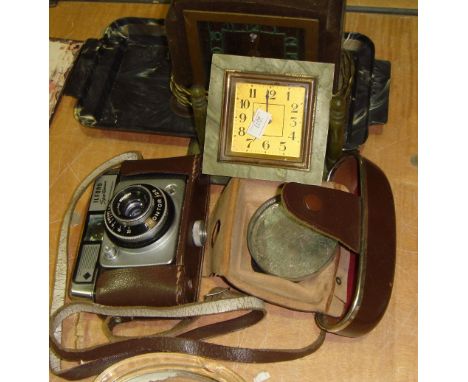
(389, 353)
(82, 20)
(403, 4)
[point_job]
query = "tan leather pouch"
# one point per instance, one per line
(227, 255)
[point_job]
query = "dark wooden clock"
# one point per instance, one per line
(306, 30)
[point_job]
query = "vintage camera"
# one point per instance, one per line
(133, 233)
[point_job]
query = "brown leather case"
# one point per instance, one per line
(163, 285)
(364, 222)
(361, 219)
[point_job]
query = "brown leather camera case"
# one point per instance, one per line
(351, 293)
(163, 285)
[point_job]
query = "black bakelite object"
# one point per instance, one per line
(122, 80)
(370, 92)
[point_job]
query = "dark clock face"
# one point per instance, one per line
(245, 34)
(251, 40)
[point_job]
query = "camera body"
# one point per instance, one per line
(136, 237)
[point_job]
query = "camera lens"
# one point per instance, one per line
(138, 215)
(132, 203)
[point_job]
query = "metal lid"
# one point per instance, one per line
(284, 247)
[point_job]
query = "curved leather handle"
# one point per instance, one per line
(375, 262)
(363, 220)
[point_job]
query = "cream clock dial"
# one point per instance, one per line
(267, 119)
(283, 106)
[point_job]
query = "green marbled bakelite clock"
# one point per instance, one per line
(267, 118)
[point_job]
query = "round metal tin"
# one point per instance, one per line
(282, 246)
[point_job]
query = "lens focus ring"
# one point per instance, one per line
(137, 215)
(132, 205)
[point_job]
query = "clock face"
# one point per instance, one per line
(267, 119)
(284, 118)
(256, 40)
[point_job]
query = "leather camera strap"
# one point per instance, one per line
(99, 357)
(61, 264)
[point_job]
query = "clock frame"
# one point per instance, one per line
(227, 72)
(293, 131)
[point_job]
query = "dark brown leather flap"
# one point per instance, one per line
(331, 212)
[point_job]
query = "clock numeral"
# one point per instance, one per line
(291, 42)
(288, 95)
(282, 146)
(293, 121)
(249, 142)
(244, 103)
(241, 131)
(216, 36)
(294, 108)
(265, 145)
(243, 117)
(253, 93)
(272, 94)
(291, 45)
(292, 135)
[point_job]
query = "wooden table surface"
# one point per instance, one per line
(389, 352)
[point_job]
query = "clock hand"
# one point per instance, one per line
(267, 97)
